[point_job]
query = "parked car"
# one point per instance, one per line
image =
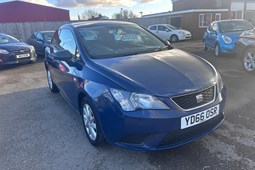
(40, 40)
(169, 32)
(222, 36)
(246, 50)
(13, 51)
(132, 89)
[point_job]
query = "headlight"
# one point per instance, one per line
(133, 101)
(2, 51)
(32, 49)
(226, 39)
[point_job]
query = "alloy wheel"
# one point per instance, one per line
(89, 122)
(249, 61)
(174, 38)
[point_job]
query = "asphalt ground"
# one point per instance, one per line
(39, 130)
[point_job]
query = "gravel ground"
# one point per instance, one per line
(39, 130)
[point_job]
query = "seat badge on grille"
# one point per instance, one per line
(200, 98)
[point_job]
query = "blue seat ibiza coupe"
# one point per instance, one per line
(132, 89)
(222, 36)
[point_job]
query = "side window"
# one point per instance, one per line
(162, 28)
(215, 27)
(67, 41)
(153, 28)
(39, 36)
(210, 27)
(64, 40)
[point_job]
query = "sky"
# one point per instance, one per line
(107, 7)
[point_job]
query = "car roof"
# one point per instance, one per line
(43, 32)
(96, 23)
(229, 20)
(3, 34)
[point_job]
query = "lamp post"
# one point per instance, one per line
(141, 14)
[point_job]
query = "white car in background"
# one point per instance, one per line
(169, 32)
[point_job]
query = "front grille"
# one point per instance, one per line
(23, 51)
(194, 100)
(135, 139)
(188, 134)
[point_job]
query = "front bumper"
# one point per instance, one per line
(240, 48)
(185, 37)
(228, 48)
(11, 58)
(152, 129)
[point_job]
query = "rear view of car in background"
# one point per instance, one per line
(40, 40)
(222, 36)
(169, 32)
(246, 50)
(13, 51)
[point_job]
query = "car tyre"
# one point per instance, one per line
(205, 48)
(91, 123)
(217, 52)
(52, 86)
(249, 60)
(174, 38)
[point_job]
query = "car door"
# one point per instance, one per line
(39, 43)
(66, 73)
(163, 32)
(211, 35)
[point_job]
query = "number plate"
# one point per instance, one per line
(198, 118)
(23, 55)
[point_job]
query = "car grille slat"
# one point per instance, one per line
(190, 101)
(24, 51)
(173, 138)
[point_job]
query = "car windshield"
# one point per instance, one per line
(5, 39)
(234, 26)
(172, 27)
(48, 36)
(117, 40)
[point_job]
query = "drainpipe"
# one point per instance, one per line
(244, 10)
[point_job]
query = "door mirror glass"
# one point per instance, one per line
(167, 43)
(64, 55)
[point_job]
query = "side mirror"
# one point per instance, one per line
(64, 55)
(168, 30)
(167, 43)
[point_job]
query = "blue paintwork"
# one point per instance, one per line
(211, 39)
(163, 74)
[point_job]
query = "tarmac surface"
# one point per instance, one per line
(39, 130)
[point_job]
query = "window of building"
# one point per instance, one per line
(217, 17)
(237, 15)
(204, 20)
